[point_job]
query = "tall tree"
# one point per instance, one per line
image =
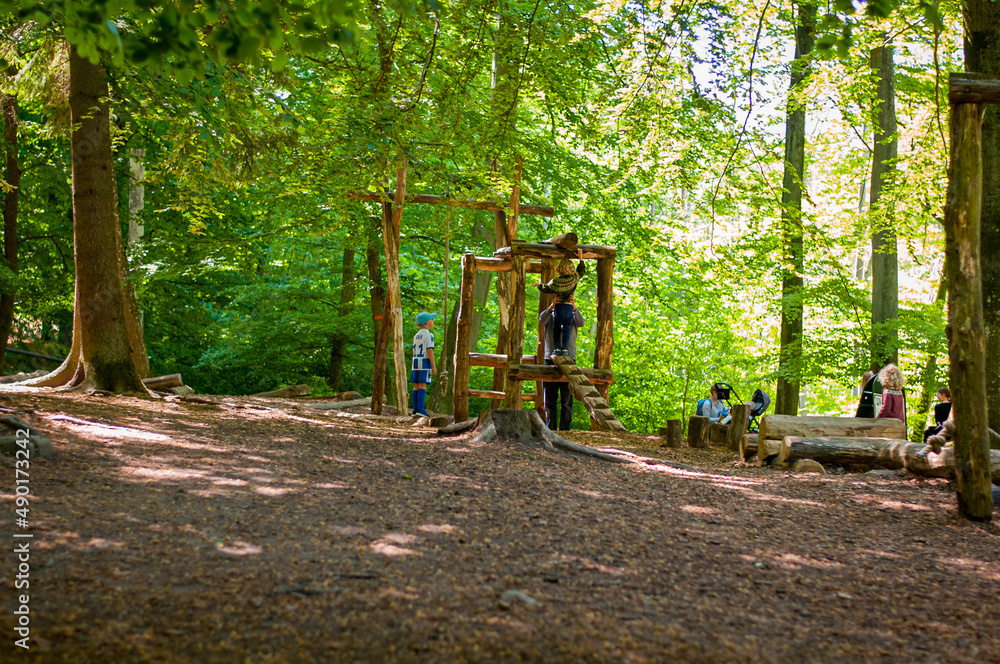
(793, 258)
(885, 268)
(105, 361)
(982, 56)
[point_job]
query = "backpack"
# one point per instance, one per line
(697, 410)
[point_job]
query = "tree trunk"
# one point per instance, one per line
(966, 343)
(885, 270)
(790, 352)
(12, 175)
(339, 341)
(108, 361)
(982, 55)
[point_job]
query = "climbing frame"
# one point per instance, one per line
(514, 263)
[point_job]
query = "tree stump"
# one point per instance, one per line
(718, 433)
(671, 433)
(738, 427)
(698, 431)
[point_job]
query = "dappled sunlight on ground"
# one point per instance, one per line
(305, 538)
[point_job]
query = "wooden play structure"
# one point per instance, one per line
(513, 263)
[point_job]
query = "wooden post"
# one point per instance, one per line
(738, 427)
(604, 342)
(382, 317)
(461, 363)
(390, 237)
(500, 228)
(544, 300)
(671, 433)
(966, 342)
(698, 430)
(515, 335)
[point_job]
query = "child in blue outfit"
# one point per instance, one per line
(423, 361)
(563, 318)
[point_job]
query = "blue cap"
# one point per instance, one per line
(423, 317)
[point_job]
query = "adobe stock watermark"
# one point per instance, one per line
(22, 540)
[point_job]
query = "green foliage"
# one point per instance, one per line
(650, 127)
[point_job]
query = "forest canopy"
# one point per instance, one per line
(241, 134)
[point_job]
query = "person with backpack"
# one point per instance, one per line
(712, 408)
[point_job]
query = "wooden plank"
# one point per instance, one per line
(541, 250)
(551, 373)
(585, 391)
(465, 309)
(515, 336)
(469, 203)
(965, 330)
(503, 280)
(967, 88)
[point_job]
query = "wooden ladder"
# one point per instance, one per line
(584, 390)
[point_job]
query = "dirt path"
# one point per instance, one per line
(178, 532)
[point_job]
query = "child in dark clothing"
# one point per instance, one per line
(563, 285)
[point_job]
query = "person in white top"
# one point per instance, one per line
(423, 361)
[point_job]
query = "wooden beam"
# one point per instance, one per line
(542, 250)
(966, 338)
(461, 363)
(967, 88)
(492, 264)
(549, 373)
(495, 359)
(503, 265)
(429, 199)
